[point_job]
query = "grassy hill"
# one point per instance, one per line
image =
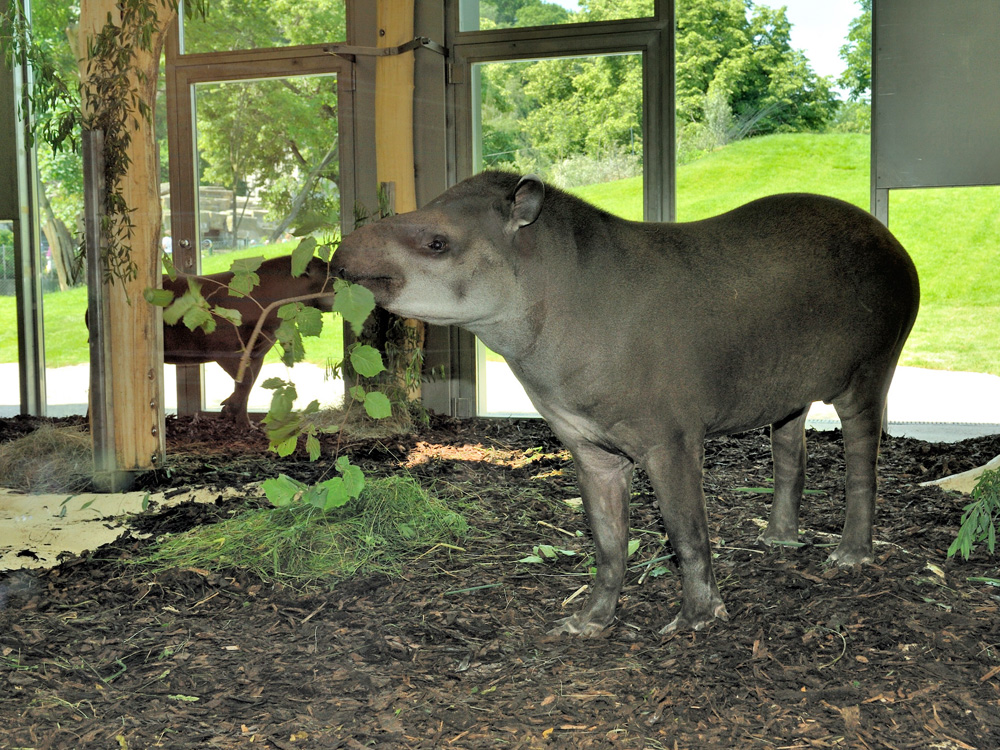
(953, 235)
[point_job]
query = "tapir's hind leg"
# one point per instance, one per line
(788, 452)
(860, 412)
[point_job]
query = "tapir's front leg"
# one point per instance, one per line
(675, 470)
(604, 480)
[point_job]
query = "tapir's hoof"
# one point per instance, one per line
(778, 539)
(578, 625)
(687, 622)
(849, 558)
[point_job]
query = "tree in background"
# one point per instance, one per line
(855, 115)
(736, 75)
(273, 139)
(60, 188)
(857, 54)
(745, 52)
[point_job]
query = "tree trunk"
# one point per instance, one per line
(303, 193)
(132, 336)
(61, 243)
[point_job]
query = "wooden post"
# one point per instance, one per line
(394, 102)
(131, 333)
(394, 115)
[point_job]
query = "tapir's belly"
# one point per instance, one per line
(628, 384)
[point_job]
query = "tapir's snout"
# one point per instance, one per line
(364, 257)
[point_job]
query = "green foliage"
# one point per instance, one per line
(857, 54)
(332, 493)
(769, 86)
(980, 517)
(257, 24)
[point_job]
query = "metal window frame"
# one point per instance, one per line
(183, 73)
(652, 37)
(21, 201)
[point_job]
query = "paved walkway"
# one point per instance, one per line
(933, 405)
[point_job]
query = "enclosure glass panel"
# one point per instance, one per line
(481, 15)
(257, 24)
(10, 388)
(269, 162)
(596, 152)
(775, 115)
(953, 353)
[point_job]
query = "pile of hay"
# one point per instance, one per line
(49, 460)
(394, 520)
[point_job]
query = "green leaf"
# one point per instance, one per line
(633, 545)
(173, 314)
(332, 494)
(377, 405)
(313, 447)
(354, 478)
(245, 276)
(302, 254)
(168, 267)
(199, 317)
(158, 297)
(354, 302)
(227, 313)
(310, 221)
(291, 343)
(309, 321)
(286, 447)
(281, 490)
(357, 392)
(366, 360)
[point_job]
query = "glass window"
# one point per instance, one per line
(257, 24)
(596, 152)
(267, 161)
(482, 15)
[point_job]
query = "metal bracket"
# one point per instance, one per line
(350, 51)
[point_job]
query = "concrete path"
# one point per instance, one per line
(934, 405)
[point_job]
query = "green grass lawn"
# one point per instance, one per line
(953, 235)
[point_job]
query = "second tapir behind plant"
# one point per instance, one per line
(636, 340)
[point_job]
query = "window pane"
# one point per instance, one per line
(257, 24)
(268, 161)
(482, 15)
(596, 152)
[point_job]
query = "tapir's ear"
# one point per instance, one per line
(526, 202)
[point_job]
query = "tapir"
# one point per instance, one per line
(636, 341)
(225, 344)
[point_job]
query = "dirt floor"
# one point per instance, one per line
(454, 653)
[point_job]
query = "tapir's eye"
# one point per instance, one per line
(437, 245)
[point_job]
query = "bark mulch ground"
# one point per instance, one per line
(454, 653)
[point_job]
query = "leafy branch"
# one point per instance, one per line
(980, 517)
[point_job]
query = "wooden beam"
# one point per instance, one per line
(394, 102)
(131, 333)
(394, 157)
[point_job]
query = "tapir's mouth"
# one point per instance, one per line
(382, 286)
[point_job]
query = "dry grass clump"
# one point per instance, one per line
(392, 521)
(50, 459)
